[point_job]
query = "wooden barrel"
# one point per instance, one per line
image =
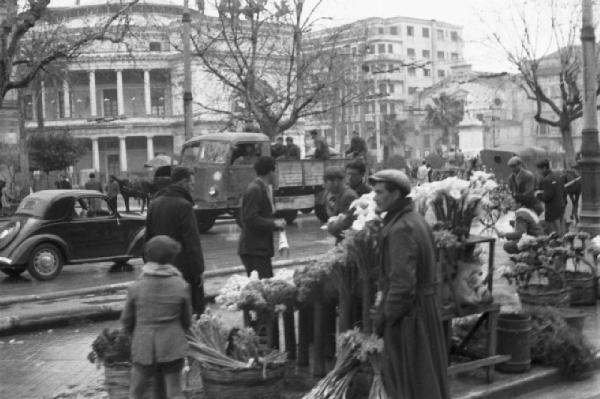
(514, 339)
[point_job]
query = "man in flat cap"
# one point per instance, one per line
(339, 198)
(408, 315)
(521, 182)
(171, 213)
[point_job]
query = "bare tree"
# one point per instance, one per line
(270, 63)
(546, 56)
(33, 38)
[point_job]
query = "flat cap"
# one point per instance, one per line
(334, 172)
(514, 161)
(395, 176)
(161, 249)
(180, 173)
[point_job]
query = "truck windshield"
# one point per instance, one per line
(205, 151)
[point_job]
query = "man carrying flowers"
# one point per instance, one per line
(339, 199)
(408, 315)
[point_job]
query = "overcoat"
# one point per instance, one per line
(522, 187)
(157, 313)
(553, 196)
(257, 220)
(414, 358)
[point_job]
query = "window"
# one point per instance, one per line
(391, 68)
(381, 68)
(370, 49)
(441, 73)
(205, 151)
(109, 102)
(383, 108)
(440, 34)
(454, 36)
(353, 50)
(390, 48)
(412, 90)
(391, 88)
(426, 54)
(382, 88)
(91, 207)
(410, 52)
(542, 130)
(157, 101)
(425, 32)
(410, 31)
(440, 55)
(381, 48)
(454, 56)
(394, 30)
(28, 100)
(381, 31)
(392, 109)
(426, 140)
(155, 46)
(412, 71)
(426, 72)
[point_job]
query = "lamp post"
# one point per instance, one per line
(590, 149)
(188, 121)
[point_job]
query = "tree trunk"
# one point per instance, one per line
(567, 142)
(39, 110)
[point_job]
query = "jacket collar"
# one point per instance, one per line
(398, 209)
(176, 191)
(158, 270)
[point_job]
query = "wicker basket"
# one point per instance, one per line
(546, 295)
(243, 383)
(583, 284)
(116, 380)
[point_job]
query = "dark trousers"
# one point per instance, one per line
(166, 384)
(197, 295)
(262, 264)
(113, 202)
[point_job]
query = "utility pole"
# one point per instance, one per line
(187, 74)
(590, 149)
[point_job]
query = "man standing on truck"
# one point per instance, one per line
(292, 151)
(358, 146)
(521, 182)
(278, 149)
(321, 147)
(258, 222)
(171, 213)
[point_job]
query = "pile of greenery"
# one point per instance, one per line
(111, 347)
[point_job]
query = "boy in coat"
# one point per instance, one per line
(157, 313)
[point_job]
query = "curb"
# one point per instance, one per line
(43, 319)
(106, 289)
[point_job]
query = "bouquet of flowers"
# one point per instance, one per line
(314, 281)
(110, 347)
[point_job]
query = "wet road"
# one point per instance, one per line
(220, 251)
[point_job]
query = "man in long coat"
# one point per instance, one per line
(521, 182)
(408, 317)
(552, 193)
(171, 213)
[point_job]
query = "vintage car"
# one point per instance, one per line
(52, 228)
(496, 159)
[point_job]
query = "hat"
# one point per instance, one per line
(161, 249)
(180, 173)
(514, 161)
(393, 176)
(288, 138)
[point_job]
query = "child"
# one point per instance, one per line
(157, 313)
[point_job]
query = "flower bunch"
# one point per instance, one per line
(312, 280)
(111, 346)
(365, 210)
(230, 295)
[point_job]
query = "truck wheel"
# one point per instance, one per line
(306, 211)
(288, 214)
(321, 213)
(205, 221)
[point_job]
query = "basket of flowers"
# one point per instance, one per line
(112, 349)
(233, 363)
(582, 278)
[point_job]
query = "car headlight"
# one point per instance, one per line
(217, 176)
(212, 191)
(8, 232)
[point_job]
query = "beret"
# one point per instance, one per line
(180, 173)
(161, 249)
(514, 161)
(395, 176)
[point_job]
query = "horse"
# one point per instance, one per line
(572, 184)
(142, 190)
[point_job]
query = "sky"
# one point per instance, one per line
(479, 18)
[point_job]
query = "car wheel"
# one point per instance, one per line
(205, 221)
(46, 262)
(306, 211)
(13, 271)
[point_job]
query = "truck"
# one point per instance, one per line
(220, 180)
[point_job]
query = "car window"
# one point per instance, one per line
(246, 153)
(59, 208)
(205, 151)
(91, 207)
(32, 206)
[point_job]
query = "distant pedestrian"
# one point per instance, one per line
(358, 146)
(292, 151)
(321, 147)
(157, 314)
(92, 183)
(521, 182)
(551, 191)
(256, 247)
(171, 213)
(64, 183)
(355, 171)
(112, 191)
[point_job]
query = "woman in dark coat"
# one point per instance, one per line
(157, 313)
(415, 358)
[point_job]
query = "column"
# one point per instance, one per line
(95, 154)
(66, 99)
(93, 107)
(44, 100)
(150, 147)
(120, 104)
(147, 93)
(378, 132)
(122, 154)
